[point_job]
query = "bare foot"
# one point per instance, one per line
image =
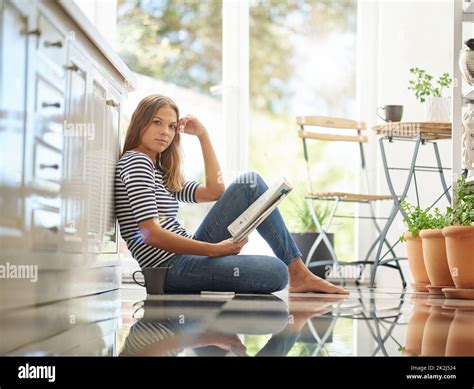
(312, 283)
(312, 305)
(302, 280)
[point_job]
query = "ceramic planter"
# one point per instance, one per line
(460, 252)
(438, 109)
(434, 255)
(415, 259)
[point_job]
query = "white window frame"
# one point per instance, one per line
(235, 84)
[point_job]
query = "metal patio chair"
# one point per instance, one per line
(354, 135)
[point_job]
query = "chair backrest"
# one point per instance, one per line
(331, 123)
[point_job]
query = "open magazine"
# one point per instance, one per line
(258, 211)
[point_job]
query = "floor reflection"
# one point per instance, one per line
(440, 327)
(215, 328)
(366, 323)
(127, 323)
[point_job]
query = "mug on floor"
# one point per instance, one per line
(155, 278)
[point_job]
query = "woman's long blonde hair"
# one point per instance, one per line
(170, 159)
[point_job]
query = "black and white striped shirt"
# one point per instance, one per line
(144, 334)
(141, 194)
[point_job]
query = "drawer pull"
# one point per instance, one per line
(55, 105)
(72, 68)
(36, 32)
(53, 166)
(112, 103)
(58, 44)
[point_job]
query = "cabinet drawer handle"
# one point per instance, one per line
(58, 44)
(55, 105)
(112, 103)
(73, 67)
(45, 166)
(36, 32)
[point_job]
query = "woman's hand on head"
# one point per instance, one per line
(191, 125)
(228, 247)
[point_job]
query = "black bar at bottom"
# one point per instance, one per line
(366, 372)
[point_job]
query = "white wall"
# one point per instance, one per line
(393, 37)
(103, 15)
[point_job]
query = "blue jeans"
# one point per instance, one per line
(237, 273)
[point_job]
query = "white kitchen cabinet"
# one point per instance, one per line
(62, 94)
(74, 156)
(12, 123)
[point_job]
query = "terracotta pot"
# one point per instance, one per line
(461, 336)
(416, 327)
(460, 252)
(415, 259)
(435, 333)
(434, 254)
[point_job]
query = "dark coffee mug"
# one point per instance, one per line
(393, 113)
(155, 278)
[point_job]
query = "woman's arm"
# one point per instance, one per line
(155, 235)
(214, 185)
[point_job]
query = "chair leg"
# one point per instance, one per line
(321, 341)
(323, 236)
(359, 276)
(404, 283)
(393, 213)
(377, 227)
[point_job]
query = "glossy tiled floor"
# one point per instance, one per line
(125, 322)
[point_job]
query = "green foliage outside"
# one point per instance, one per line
(180, 41)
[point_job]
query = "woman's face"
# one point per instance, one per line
(162, 130)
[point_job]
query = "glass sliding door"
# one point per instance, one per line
(302, 62)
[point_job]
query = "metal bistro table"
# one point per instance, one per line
(419, 133)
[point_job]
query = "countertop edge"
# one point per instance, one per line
(76, 14)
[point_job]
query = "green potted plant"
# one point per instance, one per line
(304, 231)
(459, 235)
(416, 219)
(437, 107)
(434, 251)
(428, 227)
